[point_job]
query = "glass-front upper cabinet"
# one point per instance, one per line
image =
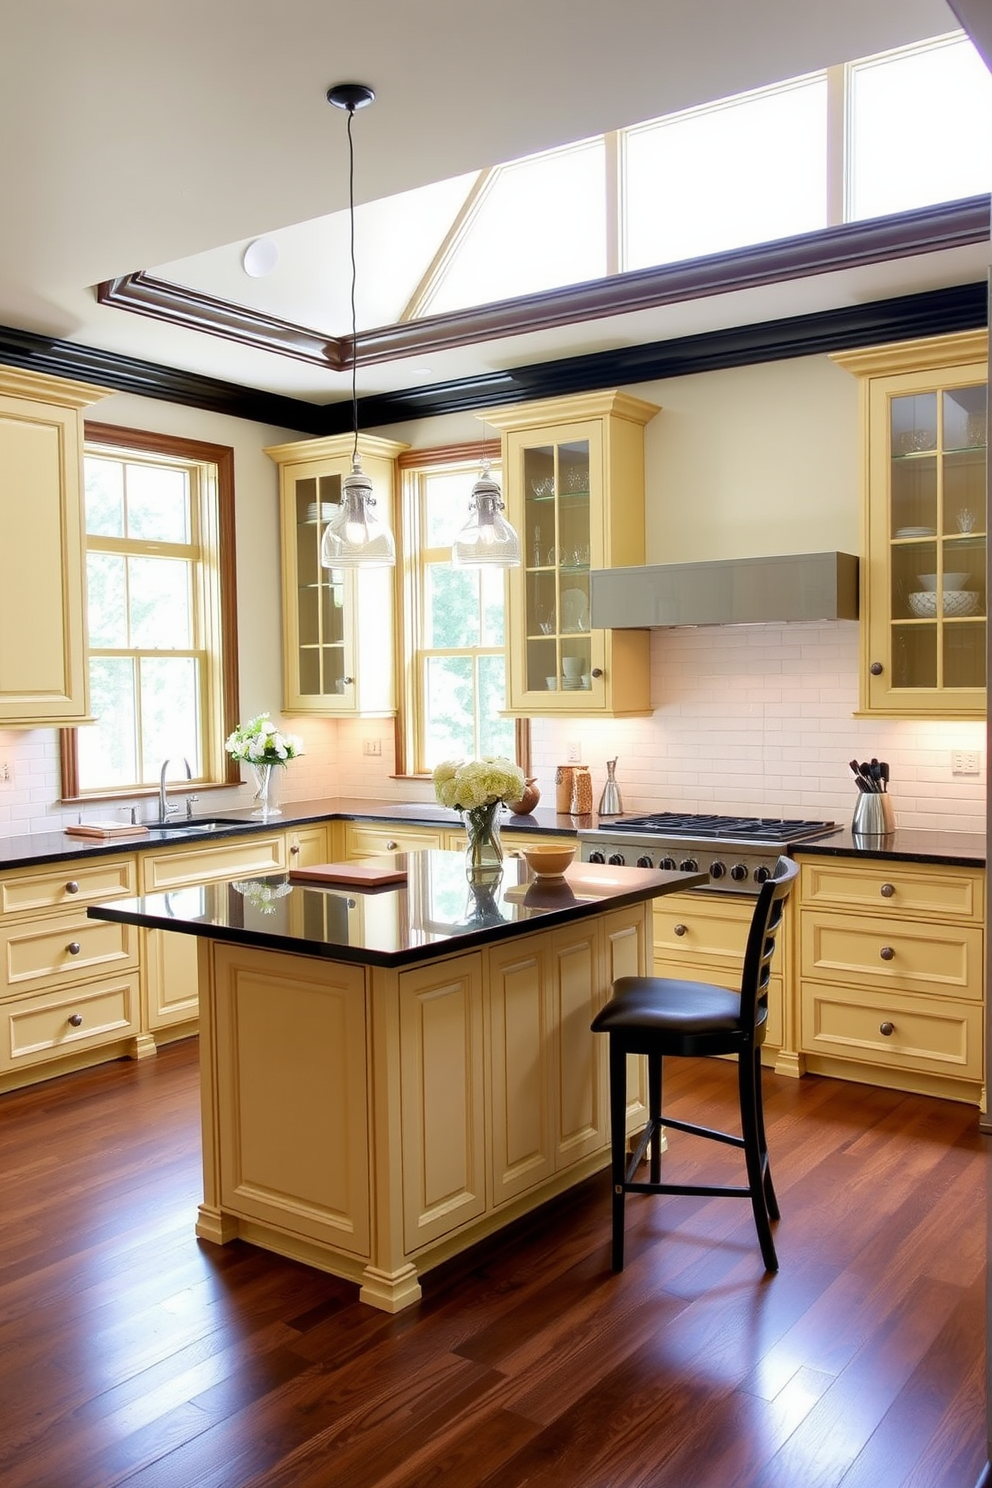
(566, 464)
(338, 624)
(925, 412)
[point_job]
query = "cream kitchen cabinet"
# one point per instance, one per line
(702, 937)
(924, 411)
(891, 960)
(338, 624)
(43, 669)
(573, 482)
(170, 963)
(548, 1074)
(69, 985)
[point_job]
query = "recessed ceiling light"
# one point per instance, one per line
(260, 258)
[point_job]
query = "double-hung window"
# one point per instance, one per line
(454, 623)
(160, 587)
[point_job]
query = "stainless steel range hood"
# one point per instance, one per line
(733, 591)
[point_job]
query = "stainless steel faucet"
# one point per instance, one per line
(164, 809)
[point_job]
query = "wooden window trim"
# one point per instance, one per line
(222, 457)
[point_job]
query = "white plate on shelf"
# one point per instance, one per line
(574, 610)
(916, 532)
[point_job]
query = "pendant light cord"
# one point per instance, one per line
(354, 276)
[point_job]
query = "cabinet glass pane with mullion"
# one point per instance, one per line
(319, 591)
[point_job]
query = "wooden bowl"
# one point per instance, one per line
(548, 862)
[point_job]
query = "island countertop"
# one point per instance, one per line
(433, 912)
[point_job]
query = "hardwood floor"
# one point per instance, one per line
(130, 1353)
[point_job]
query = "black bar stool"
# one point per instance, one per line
(662, 1015)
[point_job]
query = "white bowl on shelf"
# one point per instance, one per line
(951, 580)
(955, 602)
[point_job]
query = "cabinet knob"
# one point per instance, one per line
(680, 929)
(596, 672)
(886, 1029)
(876, 669)
(348, 681)
(72, 887)
(887, 890)
(392, 846)
(74, 948)
(76, 1019)
(294, 850)
(887, 953)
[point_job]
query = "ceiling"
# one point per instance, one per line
(147, 134)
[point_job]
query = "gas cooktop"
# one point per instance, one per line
(678, 824)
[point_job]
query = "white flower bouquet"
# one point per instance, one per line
(467, 785)
(477, 788)
(259, 742)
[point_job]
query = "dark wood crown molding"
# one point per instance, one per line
(851, 245)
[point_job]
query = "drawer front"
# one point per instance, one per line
(38, 952)
(894, 888)
(365, 842)
(72, 883)
(703, 931)
(36, 1029)
(905, 1033)
(247, 856)
(910, 956)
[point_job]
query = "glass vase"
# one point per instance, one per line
(266, 781)
(483, 849)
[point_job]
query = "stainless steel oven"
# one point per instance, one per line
(738, 852)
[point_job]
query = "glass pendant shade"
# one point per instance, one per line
(487, 540)
(355, 537)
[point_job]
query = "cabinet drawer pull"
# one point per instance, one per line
(72, 887)
(74, 948)
(76, 1019)
(886, 1029)
(681, 929)
(887, 953)
(392, 846)
(887, 890)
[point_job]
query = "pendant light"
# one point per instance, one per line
(487, 540)
(355, 537)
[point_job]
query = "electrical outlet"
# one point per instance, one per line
(574, 753)
(965, 762)
(6, 773)
(372, 746)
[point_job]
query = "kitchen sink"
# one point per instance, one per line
(185, 827)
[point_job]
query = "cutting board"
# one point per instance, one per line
(353, 875)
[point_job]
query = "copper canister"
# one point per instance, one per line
(581, 791)
(563, 789)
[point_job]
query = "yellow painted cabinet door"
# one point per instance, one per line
(580, 984)
(442, 1098)
(292, 1086)
(43, 669)
(338, 624)
(573, 475)
(522, 1072)
(924, 428)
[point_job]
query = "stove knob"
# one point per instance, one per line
(761, 873)
(689, 865)
(717, 869)
(597, 857)
(668, 863)
(644, 861)
(617, 859)
(739, 872)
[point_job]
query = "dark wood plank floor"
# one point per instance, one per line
(132, 1354)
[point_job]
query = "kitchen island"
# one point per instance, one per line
(389, 1075)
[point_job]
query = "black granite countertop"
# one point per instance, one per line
(964, 848)
(434, 912)
(905, 844)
